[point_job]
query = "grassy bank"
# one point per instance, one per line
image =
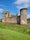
(14, 32)
(14, 27)
(12, 35)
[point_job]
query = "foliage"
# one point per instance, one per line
(28, 20)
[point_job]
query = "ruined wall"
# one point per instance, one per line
(22, 19)
(18, 19)
(11, 20)
(23, 16)
(7, 18)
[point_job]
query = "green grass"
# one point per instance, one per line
(28, 20)
(14, 32)
(14, 27)
(12, 35)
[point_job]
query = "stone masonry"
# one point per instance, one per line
(23, 16)
(21, 19)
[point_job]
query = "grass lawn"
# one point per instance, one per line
(14, 32)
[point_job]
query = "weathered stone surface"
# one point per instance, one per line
(6, 17)
(23, 16)
(22, 19)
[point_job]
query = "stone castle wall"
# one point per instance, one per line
(22, 19)
(8, 18)
(23, 16)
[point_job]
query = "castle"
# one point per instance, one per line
(21, 19)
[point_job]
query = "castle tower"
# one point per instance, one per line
(5, 16)
(23, 16)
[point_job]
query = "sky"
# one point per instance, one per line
(14, 6)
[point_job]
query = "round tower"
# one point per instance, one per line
(23, 16)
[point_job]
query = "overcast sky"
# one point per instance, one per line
(14, 6)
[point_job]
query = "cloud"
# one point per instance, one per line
(28, 16)
(22, 3)
(1, 10)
